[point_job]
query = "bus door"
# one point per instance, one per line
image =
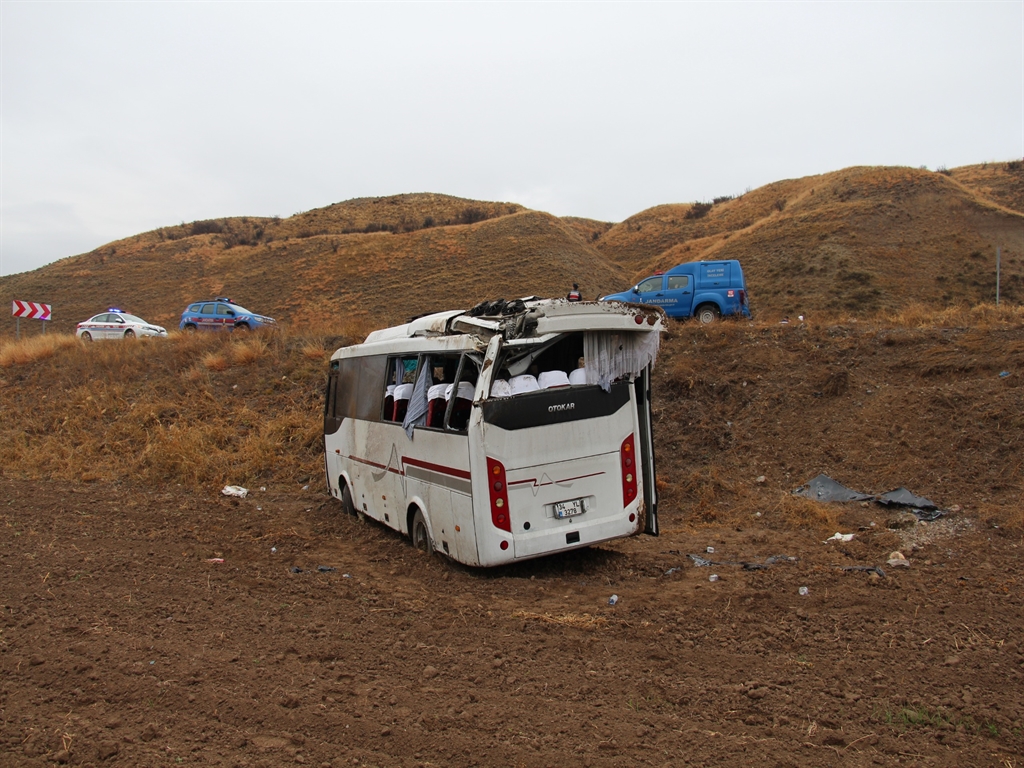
(642, 385)
(436, 460)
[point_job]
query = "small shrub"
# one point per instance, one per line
(698, 210)
(428, 222)
(208, 227)
(779, 205)
(1015, 166)
(722, 199)
(944, 170)
(472, 215)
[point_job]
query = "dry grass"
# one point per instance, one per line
(248, 351)
(35, 348)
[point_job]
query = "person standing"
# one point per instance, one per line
(574, 294)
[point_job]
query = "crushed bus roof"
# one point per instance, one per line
(528, 318)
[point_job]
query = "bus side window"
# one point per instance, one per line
(460, 395)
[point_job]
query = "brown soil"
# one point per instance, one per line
(161, 623)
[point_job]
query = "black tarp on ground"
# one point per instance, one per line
(824, 488)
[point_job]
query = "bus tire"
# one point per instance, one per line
(708, 314)
(419, 534)
(346, 501)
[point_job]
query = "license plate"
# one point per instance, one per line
(569, 508)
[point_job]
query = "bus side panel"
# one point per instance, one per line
(436, 467)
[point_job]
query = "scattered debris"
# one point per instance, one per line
(865, 568)
(1003, 374)
(710, 550)
(897, 559)
(613, 600)
(760, 479)
(839, 537)
(325, 569)
(346, 575)
(296, 569)
(670, 571)
(215, 559)
(713, 577)
(824, 488)
(804, 591)
(235, 490)
(703, 562)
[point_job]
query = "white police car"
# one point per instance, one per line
(221, 314)
(115, 324)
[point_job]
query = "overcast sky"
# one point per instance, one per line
(122, 117)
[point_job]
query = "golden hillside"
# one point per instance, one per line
(858, 240)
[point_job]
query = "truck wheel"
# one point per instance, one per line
(190, 329)
(419, 534)
(707, 314)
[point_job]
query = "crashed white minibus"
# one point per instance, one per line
(508, 432)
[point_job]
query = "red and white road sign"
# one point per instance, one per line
(31, 309)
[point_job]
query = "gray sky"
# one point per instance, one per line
(118, 118)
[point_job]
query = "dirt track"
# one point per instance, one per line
(122, 644)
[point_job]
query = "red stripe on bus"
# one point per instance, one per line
(375, 465)
(438, 468)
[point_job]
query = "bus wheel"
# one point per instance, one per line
(420, 536)
(346, 501)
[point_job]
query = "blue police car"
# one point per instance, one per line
(221, 314)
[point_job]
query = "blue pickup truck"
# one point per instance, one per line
(706, 290)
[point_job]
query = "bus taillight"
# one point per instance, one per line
(498, 490)
(627, 456)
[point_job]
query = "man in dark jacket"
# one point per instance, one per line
(574, 294)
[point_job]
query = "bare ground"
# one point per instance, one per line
(163, 625)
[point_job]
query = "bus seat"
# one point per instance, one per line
(578, 376)
(523, 383)
(436, 405)
(463, 402)
(500, 388)
(551, 379)
(402, 394)
(389, 402)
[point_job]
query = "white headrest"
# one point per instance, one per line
(437, 391)
(403, 391)
(523, 383)
(578, 376)
(391, 390)
(466, 391)
(553, 379)
(500, 388)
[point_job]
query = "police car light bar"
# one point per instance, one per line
(114, 309)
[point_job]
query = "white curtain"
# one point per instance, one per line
(608, 356)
